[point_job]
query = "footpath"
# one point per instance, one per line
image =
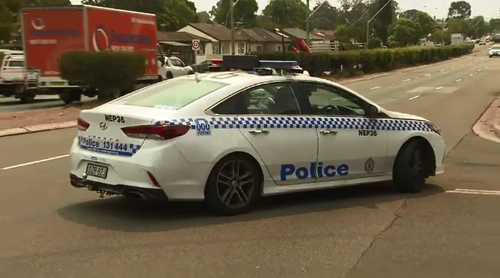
(24, 122)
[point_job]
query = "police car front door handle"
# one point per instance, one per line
(259, 131)
(326, 132)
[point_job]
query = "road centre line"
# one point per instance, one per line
(439, 88)
(376, 88)
(475, 192)
(415, 97)
(34, 162)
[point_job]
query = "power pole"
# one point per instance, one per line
(307, 23)
(231, 11)
(370, 20)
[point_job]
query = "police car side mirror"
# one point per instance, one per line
(372, 111)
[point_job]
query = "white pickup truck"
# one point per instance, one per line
(175, 67)
(13, 78)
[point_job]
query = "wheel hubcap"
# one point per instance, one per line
(235, 184)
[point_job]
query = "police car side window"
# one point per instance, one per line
(330, 101)
(275, 98)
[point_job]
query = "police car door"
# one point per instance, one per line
(350, 146)
(273, 126)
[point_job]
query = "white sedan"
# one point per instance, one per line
(230, 138)
(175, 67)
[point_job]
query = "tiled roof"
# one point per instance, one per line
(301, 34)
(220, 32)
(178, 37)
(263, 35)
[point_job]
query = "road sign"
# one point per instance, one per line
(195, 45)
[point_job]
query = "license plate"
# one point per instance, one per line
(97, 171)
(57, 83)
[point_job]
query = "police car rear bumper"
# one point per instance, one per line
(118, 189)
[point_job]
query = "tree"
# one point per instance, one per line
(286, 13)
(385, 19)
(204, 17)
(244, 12)
(325, 16)
(494, 25)
(477, 27)
(405, 32)
(459, 9)
(426, 22)
(344, 33)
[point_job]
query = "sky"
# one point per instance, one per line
(439, 8)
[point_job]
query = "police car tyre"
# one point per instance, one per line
(234, 185)
(410, 168)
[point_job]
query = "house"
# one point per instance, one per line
(264, 40)
(179, 44)
(219, 38)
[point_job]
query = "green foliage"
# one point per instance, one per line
(374, 43)
(372, 60)
(460, 10)
(286, 13)
(244, 13)
(103, 70)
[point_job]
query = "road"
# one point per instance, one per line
(10, 104)
(49, 229)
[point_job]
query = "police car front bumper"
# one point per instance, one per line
(118, 189)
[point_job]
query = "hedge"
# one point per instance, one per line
(353, 62)
(102, 70)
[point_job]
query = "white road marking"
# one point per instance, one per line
(458, 80)
(406, 80)
(439, 88)
(471, 74)
(427, 75)
(35, 162)
(442, 70)
(475, 192)
(479, 70)
(415, 97)
(376, 88)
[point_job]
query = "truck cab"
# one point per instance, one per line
(13, 78)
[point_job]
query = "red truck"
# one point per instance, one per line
(49, 32)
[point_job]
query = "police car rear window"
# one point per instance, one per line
(173, 94)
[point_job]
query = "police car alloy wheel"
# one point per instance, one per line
(410, 168)
(233, 186)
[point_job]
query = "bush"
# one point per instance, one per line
(374, 43)
(103, 70)
(354, 62)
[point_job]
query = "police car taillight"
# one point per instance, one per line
(156, 132)
(82, 125)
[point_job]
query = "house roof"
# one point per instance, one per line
(263, 35)
(219, 32)
(178, 37)
(328, 34)
(301, 34)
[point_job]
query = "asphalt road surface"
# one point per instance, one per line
(452, 229)
(10, 104)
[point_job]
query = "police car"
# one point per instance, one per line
(232, 137)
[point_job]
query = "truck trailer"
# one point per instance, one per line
(49, 32)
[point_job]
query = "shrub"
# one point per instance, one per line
(103, 70)
(367, 61)
(374, 43)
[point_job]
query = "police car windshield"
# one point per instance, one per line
(175, 93)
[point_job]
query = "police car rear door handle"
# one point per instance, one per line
(326, 132)
(258, 131)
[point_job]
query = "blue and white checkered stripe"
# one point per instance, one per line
(303, 122)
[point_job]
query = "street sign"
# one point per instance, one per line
(195, 45)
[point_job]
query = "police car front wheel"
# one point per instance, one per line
(410, 168)
(234, 185)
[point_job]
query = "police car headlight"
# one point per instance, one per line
(434, 127)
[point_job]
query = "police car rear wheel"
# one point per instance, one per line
(410, 168)
(233, 186)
